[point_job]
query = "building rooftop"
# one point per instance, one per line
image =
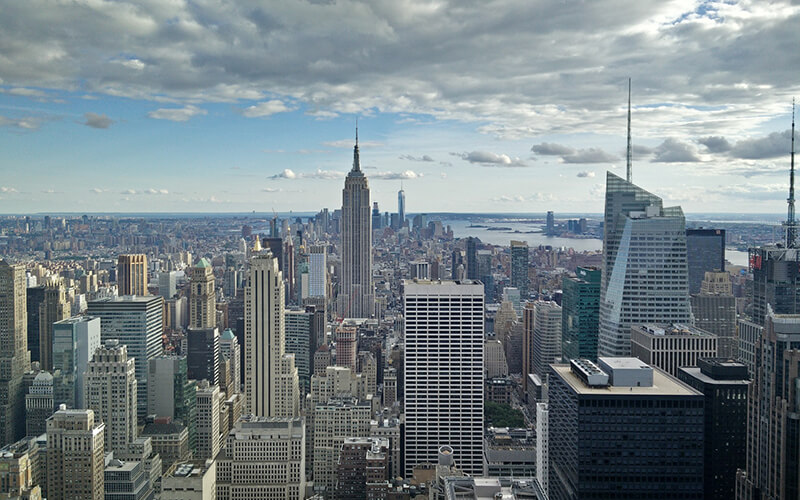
(674, 330)
(663, 384)
(159, 429)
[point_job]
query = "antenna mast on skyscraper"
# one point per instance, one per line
(629, 156)
(791, 224)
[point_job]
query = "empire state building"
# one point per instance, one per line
(356, 296)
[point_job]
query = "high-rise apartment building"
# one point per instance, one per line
(263, 458)
(53, 308)
(645, 277)
(356, 296)
(621, 429)
(75, 458)
(75, 341)
(546, 337)
(138, 323)
(705, 252)
(132, 274)
(580, 311)
(443, 372)
(724, 386)
(110, 391)
(363, 468)
(14, 355)
(271, 384)
(202, 303)
(519, 267)
(773, 421)
(669, 347)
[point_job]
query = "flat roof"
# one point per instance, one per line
(663, 385)
(699, 375)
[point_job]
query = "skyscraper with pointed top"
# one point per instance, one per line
(356, 295)
(791, 223)
(401, 206)
(629, 154)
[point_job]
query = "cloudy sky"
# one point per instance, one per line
(476, 105)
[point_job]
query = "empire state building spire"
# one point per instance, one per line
(356, 159)
(791, 223)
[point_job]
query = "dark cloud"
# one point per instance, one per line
(95, 120)
(774, 145)
(715, 144)
(674, 151)
(552, 149)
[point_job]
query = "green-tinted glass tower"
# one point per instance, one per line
(580, 312)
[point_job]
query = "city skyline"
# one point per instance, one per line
(176, 108)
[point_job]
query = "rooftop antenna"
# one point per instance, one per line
(356, 159)
(629, 156)
(791, 224)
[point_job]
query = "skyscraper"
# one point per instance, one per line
(317, 271)
(75, 455)
(519, 267)
(132, 274)
(111, 390)
(271, 383)
(621, 429)
(444, 372)
(202, 303)
(53, 308)
(546, 337)
(138, 323)
(645, 278)
(773, 424)
(472, 258)
(173, 394)
(580, 312)
(550, 229)
(401, 208)
(705, 252)
(357, 298)
(14, 356)
(75, 341)
(714, 310)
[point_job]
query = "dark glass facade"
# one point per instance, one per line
(620, 445)
(776, 281)
(705, 251)
(580, 312)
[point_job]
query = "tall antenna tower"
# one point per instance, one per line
(629, 156)
(791, 223)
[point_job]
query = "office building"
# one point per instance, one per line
(34, 298)
(203, 354)
(356, 297)
(169, 439)
(621, 429)
(546, 344)
(705, 252)
(39, 404)
(543, 446)
(263, 458)
(14, 355)
(54, 308)
(138, 323)
(494, 359)
(670, 347)
(132, 274)
(111, 392)
(271, 384)
(724, 386)
(580, 311)
(363, 469)
(472, 258)
(75, 456)
(75, 341)
(443, 372)
(773, 425)
(346, 345)
(334, 421)
(776, 281)
(167, 284)
(301, 341)
(645, 277)
(420, 269)
(714, 310)
(127, 481)
(202, 303)
(519, 267)
(401, 208)
(192, 480)
(317, 271)
(509, 452)
(550, 224)
(230, 351)
(208, 400)
(173, 394)
(22, 471)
